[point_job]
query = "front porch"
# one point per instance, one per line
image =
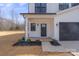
(39, 25)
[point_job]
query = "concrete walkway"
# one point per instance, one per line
(75, 53)
(66, 46)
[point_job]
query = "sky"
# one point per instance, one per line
(9, 9)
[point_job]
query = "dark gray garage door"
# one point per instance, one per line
(68, 31)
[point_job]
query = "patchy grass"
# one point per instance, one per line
(6, 48)
(4, 33)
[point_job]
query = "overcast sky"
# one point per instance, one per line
(6, 9)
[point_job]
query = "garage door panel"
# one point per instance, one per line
(68, 31)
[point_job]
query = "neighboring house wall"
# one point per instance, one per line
(31, 7)
(51, 7)
(71, 15)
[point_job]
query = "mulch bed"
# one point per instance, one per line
(55, 43)
(32, 43)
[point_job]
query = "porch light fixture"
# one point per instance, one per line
(37, 24)
(56, 24)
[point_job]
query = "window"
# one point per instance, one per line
(43, 4)
(33, 27)
(40, 7)
(74, 4)
(63, 6)
(37, 4)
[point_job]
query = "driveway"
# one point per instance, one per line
(70, 44)
(66, 46)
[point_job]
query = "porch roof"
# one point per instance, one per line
(38, 15)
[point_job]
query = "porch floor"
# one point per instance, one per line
(41, 39)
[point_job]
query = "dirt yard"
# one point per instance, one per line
(7, 39)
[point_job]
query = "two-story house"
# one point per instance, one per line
(58, 21)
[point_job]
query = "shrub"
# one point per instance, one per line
(55, 42)
(37, 40)
(49, 37)
(22, 40)
(28, 40)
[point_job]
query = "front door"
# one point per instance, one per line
(43, 30)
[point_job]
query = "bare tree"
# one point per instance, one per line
(12, 18)
(0, 12)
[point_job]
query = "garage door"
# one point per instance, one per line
(68, 31)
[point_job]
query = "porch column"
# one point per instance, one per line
(70, 5)
(26, 28)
